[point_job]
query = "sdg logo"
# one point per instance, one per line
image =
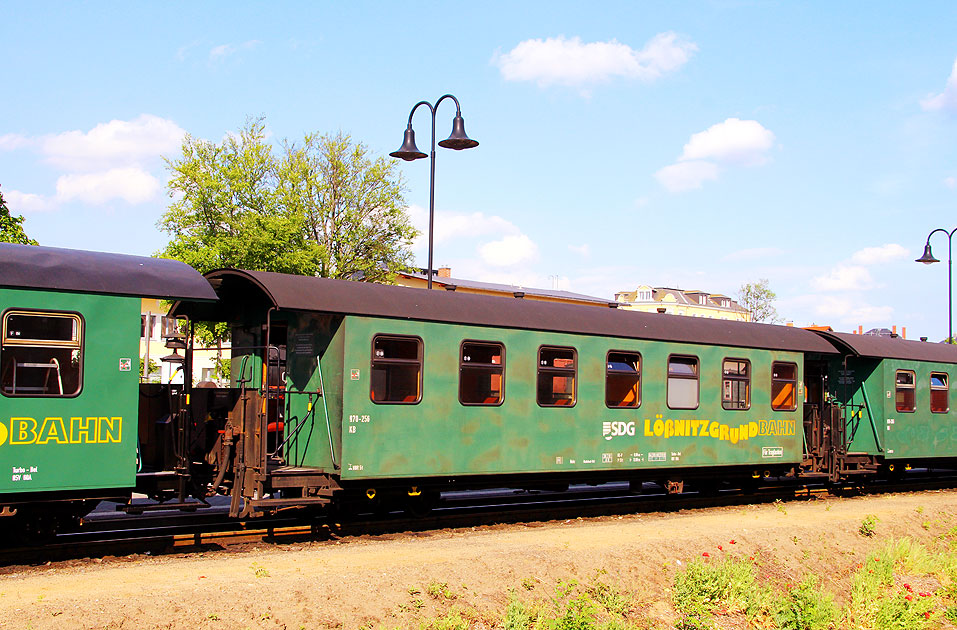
(610, 430)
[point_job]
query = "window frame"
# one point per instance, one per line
(912, 387)
(794, 381)
(491, 367)
(609, 372)
(419, 361)
(696, 378)
(725, 378)
(557, 372)
(79, 345)
(937, 388)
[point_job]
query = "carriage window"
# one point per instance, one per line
(41, 354)
(682, 382)
(906, 398)
(556, 376)
(481, 371)
(622, 379)
(736, 384)
(783, 386)
(939, 388)
(396, 370)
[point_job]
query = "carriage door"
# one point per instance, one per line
(818, 413)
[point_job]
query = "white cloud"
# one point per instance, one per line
(132, 184)
(183, 51)
(18, 202)
(510, 250)
(754, 253)
(686, 175)
(950, 182)
(113, 144)
(850, 310)
(582, 250)
(571, 62)
(218, 53)
(449, 226)
(733, 141)
(844, 278)
(877, 255)
(13, 141)
(946, 100)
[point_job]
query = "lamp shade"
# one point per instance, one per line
(408, 151)
(928, 257)
(458, 140)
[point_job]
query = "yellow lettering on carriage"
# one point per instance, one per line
(109, 430)
(666, 428)
(23, 430)
(54, 430)
(82, 430)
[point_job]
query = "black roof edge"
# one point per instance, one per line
(79, 271)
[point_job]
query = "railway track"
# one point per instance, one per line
(211, 529)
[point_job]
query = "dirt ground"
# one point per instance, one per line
(383, 581)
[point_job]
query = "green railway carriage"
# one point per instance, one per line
(69, 371)
(896, 400)
(376, 387)
(349, 391)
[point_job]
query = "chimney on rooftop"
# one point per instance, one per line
(444, 272)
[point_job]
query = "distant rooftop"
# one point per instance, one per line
(453, 283)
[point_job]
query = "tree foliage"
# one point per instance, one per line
(322, 207)
(11, 227)
(759, 299)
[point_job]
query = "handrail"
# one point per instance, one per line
(294, 432)
(867, 405)
(325, 411)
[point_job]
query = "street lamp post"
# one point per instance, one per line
(928, 259)
(408, 152)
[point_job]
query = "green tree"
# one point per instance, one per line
(759, 299)
(11, 227)
(320, 208)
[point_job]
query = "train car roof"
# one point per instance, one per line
(893, 347)
(250, 293)
(55, 269)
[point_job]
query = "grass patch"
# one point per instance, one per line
(806, 607)
(706, 586)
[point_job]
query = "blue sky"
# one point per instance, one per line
(697, 145)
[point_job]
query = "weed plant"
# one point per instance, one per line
(806, 607)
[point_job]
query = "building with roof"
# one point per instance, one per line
(442, 280)
(677, 302)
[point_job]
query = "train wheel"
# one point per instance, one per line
(708, 487)
(419, 503)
